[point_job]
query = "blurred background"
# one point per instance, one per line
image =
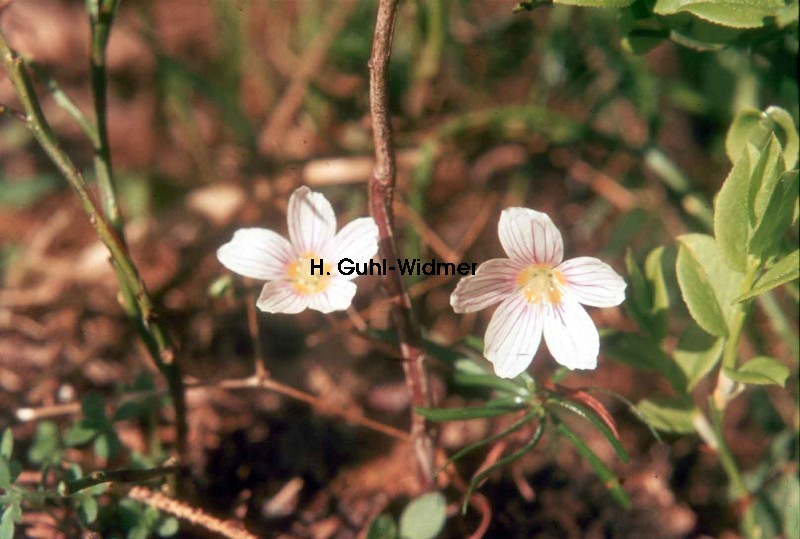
(218, 110)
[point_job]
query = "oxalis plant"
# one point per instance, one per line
(742, 251)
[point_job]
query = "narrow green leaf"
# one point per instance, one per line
(654, 273)
(766, 170)
(502, 434)
(7, 444)
(508, 459)
(697, 353)
(489, 381)
(609, 479)
(787, 132)
(590, 416)
(382, 527)
(708, 285)
(760, 370)
(5, 475)
(668, 414)
(786, 270)
(641, 352)
(7, 523)
(637, 301)
(492, 408)
(424, 517)
(777, 216)
(93, 409)
(731, 215)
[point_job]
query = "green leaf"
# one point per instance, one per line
(787, 269)
(731, 215)
(489, 381)
(610, 481)
(760, 370)
(88, 509)
(777, 216)
(7, 523)
(382, 527)
(595, 3)
(697, 353)
(786, 130)
(746, 128)
(668, 414)
(647, 297)
(79, 433)
(46, 448)
(5, 475)
(708, 299)
(424, 517)
(492, 408)
(168, 527)
(7, 444)
(93, 409)
(493, 438)
(590, 416)
(106, 445)
(731, 13)
(641, 352)
(767, 167)
(654, 273)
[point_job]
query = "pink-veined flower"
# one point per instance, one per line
(262, 254)
(538, 295)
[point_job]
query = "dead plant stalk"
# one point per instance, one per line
(381, 190)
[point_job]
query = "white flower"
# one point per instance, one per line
(539, 294)
(262, 254)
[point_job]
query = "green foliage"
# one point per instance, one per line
(760, 370)
(785, 270)
(708, 284)
(732, 13)
(697, 354)
(648, 299)
(382, 527)
(424, 517)
(669, 414)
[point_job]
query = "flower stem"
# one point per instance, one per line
(137, 302)
(718, 401)
(381, 190)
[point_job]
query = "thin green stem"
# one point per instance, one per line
(739, 491)
(741, 310)
(116, 476)
(136, 300)
(101, 17)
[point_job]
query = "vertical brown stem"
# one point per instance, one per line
(381, 191)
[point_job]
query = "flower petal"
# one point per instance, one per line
(571, 336)
(337, 297)
(257, 253)
(311, 221)
(593, 282)
(494, 281)
(280, 297)
(513, 336)
(358, 241)
(530, 236)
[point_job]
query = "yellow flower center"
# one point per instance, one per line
(541, 283)
(301, 279)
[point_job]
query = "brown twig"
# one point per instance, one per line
(381, 190)
(253, 382)
(194, 515)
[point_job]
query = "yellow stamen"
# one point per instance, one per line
(299, 274)
(541, 283)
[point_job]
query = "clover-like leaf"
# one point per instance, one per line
(424, 517)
